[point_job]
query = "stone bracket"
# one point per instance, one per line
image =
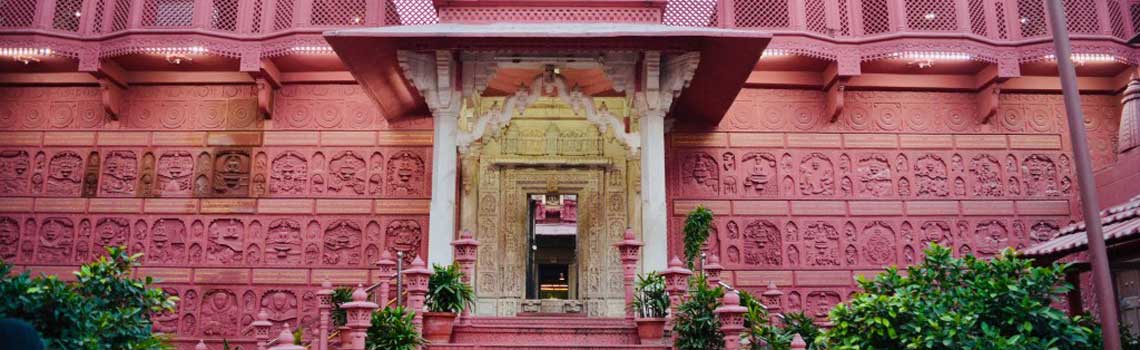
(112, 84)
(267, 78)
(988, 98)
(433, 75)
(835, 78)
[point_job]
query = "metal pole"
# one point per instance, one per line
(399, 278)
(1102, 277)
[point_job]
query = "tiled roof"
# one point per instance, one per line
(1121, 223)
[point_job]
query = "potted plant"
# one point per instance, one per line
(392, 329)
(650, 303)
(447, 296)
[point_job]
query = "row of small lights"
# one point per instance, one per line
(188, 50)
(25, 55)
(1089, 57)
(311, 49)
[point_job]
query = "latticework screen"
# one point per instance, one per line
(283, 15)
(762, 13)
(932, 15)
(255, 27)
(844, 19)
(224, 15)
(815, 14)
(1031, 15)
(1116, 18)
(100, 14)
(338, 12)
(693, 13)
(978, 17)
(1081, 16)
(168, 13)
(1002, 28)
(17, 13)
(1134, 13)
(410, 12)
(120, 17)
(67, 13)
(876, 17)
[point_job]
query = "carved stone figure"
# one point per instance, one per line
(219, 313)
(734, 254)
(990, 237)
(166, 321)
(64, 172)
(9, 238)
(280, 306)
(879, 244)
(901, 164)
(15, 169)
(342, 243)
(347, 173)
(111, 232)
(225, 241)
(959, 186)
(289, 174)
(1040, 176)
(120, 173)
(729, 185)
(1043, 231)
(167, 242)
(406, 174)
(700, 173)
(821, 303)
(822, 242)
(930, 174)
(733, 230)
(376, 174)
(283, 243)
(987, 180)
(231, 173)
(875, 175)
(175, 169)
(147, 175)
(762, 244)
(761, 168)
(817, 177)
(935, 232)
(728, 160)
(404, 236)
(90, 186)
(56, 239)
(904, 187)
(852, 255)
(956, 163)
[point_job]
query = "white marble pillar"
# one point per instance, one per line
(444, 165)
(654, 218)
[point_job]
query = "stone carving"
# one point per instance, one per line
(166, 321)
(990, 237)
(793, 255)
(1040, 176)
(283, 243)
(9, 238)
(406, 174)
(762, 244)
(908, 254)
(729, 185)
(56, 239)
(147, 175)
(930, 174)
(761, 176)
(120, 172)
(956, 163)
(404, 236)
(1010, 164)
(312, 254)
(281, 306)
(111, 232)
(342, 243)
(1014, 186)
(231, 173)
(852, 255)
(40, 162)
(816, 175)
(219, 313)
(167, 242)
(700, 172)
(904, 187)
(959, 186)
(728, 160)
(987, 180)
(845, 186)
(822, 242)
(289, 174)
(376, 175)
(935, 232)
(901, 164)
(1043, 231)
(734, 254)
(821, 303)
(90, 186)
(225, 241)
(15, 169)
(260, 168)
(880, 243)
(64, 174)
(791, 232)
(875, 175)
(844, 163)
(346, 170)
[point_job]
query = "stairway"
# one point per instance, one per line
(545, 332)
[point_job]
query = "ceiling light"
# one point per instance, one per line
(77, 13)
(26, 55)
(185, 50)
(311, 49)
(1082, 58)
(930, 16)
(1023, 20)
(776, 52)
(932, 56)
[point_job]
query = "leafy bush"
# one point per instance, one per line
(650, 299)
(103, 309)
(697, 225)
(340, 295)
(392, 329)
(763, 335)
(446, 290)
(961, 303)
(696, 324)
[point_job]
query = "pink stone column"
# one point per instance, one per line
(359, 318)
(285, 340)
(628, 249)
(676, 284)
(466, 253)
(712, 270)
(416, 283)
(798, 342)
(731, 316)
(773, 300)
(324, 297)
(261, 329)
(387, 271)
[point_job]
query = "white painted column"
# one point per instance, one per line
(654, 218)
(444, 165)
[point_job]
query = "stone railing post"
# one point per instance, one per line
(628, 249)
(676, 284)
(359, 318)
(416, 280)
(731, 316)
(324, 297)
(285, 340)
(466, 253)
(798, 342)
(201, 345)
(773, 300)
(261, 329)
(712, 270)
(387, 271)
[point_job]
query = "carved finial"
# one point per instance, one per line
(201, 345)
(731, 298)
(629, 234)
(326, 284)
(263, 316)
(286, 337)
(418, 263)
(714, 260)
(359, 294)
(676, 262)
(798, 342)
(466, 234)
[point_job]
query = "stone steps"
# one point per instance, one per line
(545, 332)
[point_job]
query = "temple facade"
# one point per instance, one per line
(255, 149)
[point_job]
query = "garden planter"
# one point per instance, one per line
(438, 326)
(650, 330)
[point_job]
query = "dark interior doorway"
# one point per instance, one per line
(552, 266)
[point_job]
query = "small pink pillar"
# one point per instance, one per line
(798, 342)
(466, 252)
(285, 340)
(731, 316)
(387, 271)
(261, 330)
(201, 345)
(712, 270)
(324, 297)
(416, 283)
(773, 301)
(676, 284)
(359, 318)
(628, 249)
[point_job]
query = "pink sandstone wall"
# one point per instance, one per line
(234, 213)
(808, 204)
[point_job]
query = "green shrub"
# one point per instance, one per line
(696, 324)
(960, 304)
(103, 309)
(650, 299)
(340, 295)
(392, 329)
(446, 290)
(763, 335)
(697, 225)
